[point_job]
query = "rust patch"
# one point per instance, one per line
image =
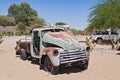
(46, 50)
(71, 34)
(60, 35)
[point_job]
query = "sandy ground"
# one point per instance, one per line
(104, 65)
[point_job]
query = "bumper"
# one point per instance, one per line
(72, 64)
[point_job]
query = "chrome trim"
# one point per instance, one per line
(72, 56)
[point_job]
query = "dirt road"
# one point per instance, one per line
(104, 65)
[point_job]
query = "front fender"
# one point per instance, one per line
(55, 60)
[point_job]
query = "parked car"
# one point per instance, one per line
(99, 37)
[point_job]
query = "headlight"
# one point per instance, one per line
(55, 52)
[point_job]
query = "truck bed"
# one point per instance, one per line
(23, 44)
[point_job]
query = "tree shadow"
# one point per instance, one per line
(32, 60)
(66, 70)
(118, 54)
(105, 43)
(18, 56)
(69, 70)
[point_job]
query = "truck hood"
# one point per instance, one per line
(61, 39)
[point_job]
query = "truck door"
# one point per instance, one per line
(36, 42)
(106, 35)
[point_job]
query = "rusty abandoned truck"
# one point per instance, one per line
(54, 48)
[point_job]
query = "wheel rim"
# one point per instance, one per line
(99, 41)
(21, 56)
(48, 65)
(86, 65)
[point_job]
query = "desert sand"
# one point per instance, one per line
(104, 64)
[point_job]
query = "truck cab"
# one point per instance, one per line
(54, 48)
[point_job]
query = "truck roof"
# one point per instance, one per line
(46, 28)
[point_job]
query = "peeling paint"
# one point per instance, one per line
(60, 36)
(61, 39)
(47, 50)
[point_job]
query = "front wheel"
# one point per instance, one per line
(99, 41)
(85, 65)
(49, 66)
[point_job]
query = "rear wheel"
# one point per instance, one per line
(99, 40)
(49, 66)
(23, 54)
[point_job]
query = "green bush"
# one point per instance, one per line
(1, 40)
(6, 21)
(21, 28)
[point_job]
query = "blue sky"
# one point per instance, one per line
(73, 12)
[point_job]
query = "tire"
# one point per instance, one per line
(23, 54)
(49, 67)
(99, 40)
(85, 65)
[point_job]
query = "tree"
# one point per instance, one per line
(6, 21)
(36, 22)
(21, 13)
(76, 32)
(105, 15)
(21, 27)
(60, 23)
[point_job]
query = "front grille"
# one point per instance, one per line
(72, 56)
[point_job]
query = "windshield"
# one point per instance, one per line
(51, 30)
